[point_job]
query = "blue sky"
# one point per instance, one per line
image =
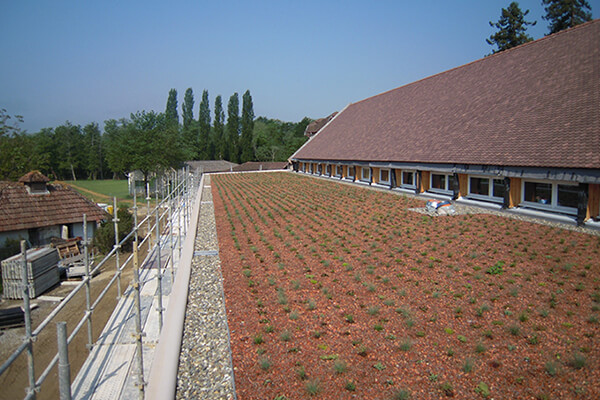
(85, 61)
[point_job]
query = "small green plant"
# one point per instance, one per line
(373, 310)
(401, 394)
(480, 348)
(483, 389)
(258, 339)
(577, 360)
(264, 363)
(468, 365)
(551, 368)
(301, 372)
(461, 338)
(379, 366)
(496, 269)
(313, 387)
(349, 318)
(350, 386)
(406, 344)
(447, 389)
(285, 336)
(514, 330)
(340, 367)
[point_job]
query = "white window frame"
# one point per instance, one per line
(348, 169)
(553, 205)
(388, 180)
(362, 174)
(328, 169)
(446, 190)
(408, 185)
(489, 196)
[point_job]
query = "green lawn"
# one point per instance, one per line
(101, 191)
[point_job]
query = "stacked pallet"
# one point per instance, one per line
(42, 273)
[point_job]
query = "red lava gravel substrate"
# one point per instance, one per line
(335, 291)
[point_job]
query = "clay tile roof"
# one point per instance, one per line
(208, 166)
(260, 166)
(534, 105)
(316, 125)
(34, 177)
(60, 205)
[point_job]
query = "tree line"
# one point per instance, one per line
(512, 26)
(148, 141)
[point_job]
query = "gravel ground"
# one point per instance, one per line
(205, 368)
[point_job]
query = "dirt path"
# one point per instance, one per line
(15, 379)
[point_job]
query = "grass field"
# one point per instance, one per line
(102, 191)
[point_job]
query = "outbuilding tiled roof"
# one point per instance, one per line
(535, 105)
(260, 166)
(58, 206)
(208, 166)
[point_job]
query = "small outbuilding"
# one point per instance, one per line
(37, 211)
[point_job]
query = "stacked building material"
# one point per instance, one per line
(42, 273)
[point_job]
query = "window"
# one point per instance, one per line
(442, 183)
(338, 170)
(438, 182)
(408, 179)
(480, 187)
(538, 192)
(546, 195)
(310, 168)
(568, 196)
(384, 176)
(350, 171)
(498, 188)
(328, 169)
(366, 173)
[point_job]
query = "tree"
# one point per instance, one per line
(188, 108)
(147, 143)
(93, 145)
(204, 128)
(218, 130)
(563, 14)
(511, 28)
(247, 123)
(69, 144)
(104, 238)
(189, 132)
(171, 109)
(232, 129)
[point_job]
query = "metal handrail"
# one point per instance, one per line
(179, 194)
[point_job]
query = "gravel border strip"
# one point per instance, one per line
(205, 362)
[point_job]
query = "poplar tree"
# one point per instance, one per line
(189, 131)
(232, 129)
(171, 109)
(563, 14)
(247, 151)
(218, 128)
(511, 28)
(204, 129)
(188, 108)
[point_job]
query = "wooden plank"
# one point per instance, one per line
(593, 207)
(515, 192)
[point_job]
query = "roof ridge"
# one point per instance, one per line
(485, 58)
